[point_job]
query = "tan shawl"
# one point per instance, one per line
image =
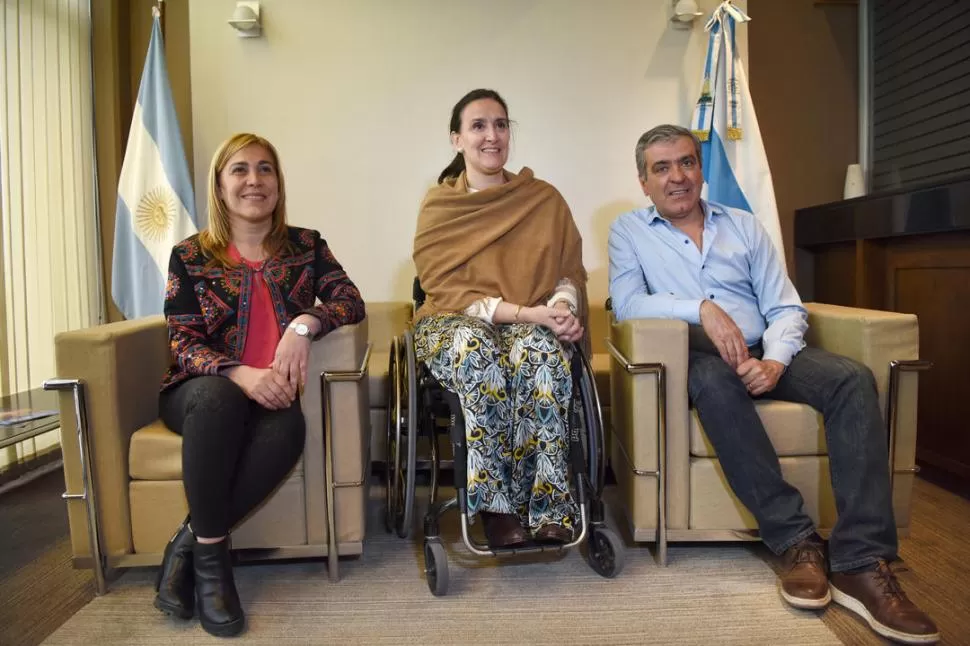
(516, 241)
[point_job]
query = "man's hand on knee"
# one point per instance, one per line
(724, 334)
(760, 377)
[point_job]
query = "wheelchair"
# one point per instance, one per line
(421, 410)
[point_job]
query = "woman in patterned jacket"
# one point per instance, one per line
(241, 314)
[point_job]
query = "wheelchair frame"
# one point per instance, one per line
(417, 404)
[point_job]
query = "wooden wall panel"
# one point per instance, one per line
(835, 272)
(806, 100)
(939, 296)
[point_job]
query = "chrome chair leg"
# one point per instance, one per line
(88, 491)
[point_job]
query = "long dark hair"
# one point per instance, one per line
(457, 165)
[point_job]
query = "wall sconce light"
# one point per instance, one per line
(685, 12)
(245, 20)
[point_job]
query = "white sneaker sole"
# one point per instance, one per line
(804, 604)
(859, 608)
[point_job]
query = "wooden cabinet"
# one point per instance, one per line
(907, 251)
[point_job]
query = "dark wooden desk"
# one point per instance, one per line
(905, 251)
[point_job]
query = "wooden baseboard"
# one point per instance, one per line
(944, 478)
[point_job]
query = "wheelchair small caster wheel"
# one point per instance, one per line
(605, 552)
(436, 568)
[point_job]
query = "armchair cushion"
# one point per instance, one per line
(380, 384)
(599, 330)
(794, 429)
(714, 506)
(600, 362)
(387, 320)
(155, 453)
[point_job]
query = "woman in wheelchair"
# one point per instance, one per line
(240, 310)
(500, 260)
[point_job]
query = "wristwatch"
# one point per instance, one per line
(301, 329)
(572, 308)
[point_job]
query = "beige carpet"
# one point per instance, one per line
(722, 593)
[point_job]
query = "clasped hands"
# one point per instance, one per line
(278, 386)
(759, 376)
(558, 318)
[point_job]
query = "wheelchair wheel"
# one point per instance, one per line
(605, 553)
(392, 455)
(408, 418)
(436, 568)
(401, 437)
(595, 435)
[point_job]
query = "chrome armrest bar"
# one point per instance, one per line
(88, 490)
(660, 371)
(328, 377)
(892, 405)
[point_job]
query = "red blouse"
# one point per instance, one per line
(264, 329)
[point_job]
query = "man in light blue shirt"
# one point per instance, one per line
(716, 268)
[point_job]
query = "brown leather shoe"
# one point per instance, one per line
(877, 597)
(805, 584)
(502, 530)
(553, 533)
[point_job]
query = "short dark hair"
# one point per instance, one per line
(457, 164)
(663, 133)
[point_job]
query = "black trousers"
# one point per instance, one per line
(234, 451)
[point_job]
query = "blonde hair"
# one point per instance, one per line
(215, 239)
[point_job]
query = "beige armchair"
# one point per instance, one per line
(124, 489)
(671, 485)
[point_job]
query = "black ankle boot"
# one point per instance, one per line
(215, 590)
(176, 583)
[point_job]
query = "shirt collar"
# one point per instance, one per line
(710, 210)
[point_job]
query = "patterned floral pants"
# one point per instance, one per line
(514, 384)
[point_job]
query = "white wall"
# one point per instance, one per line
(357, 94)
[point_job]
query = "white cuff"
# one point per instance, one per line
(483, 308)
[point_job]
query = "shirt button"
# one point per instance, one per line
(712, 297)
(686, 241)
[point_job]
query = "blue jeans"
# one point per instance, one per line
(844, 391)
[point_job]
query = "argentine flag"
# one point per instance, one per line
(156, 205)
(735, 166)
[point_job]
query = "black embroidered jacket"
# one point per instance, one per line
(207, 308)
